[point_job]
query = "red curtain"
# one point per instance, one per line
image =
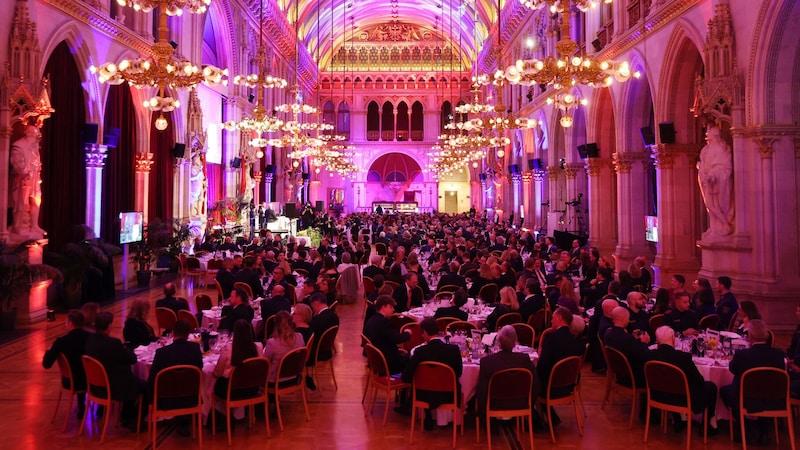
(62, 153)
(214, 177)
(161, 144)
(119, 173)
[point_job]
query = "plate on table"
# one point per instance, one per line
(730, 334)
(700, 361)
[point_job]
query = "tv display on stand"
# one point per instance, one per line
(651, 228)
(131, 227)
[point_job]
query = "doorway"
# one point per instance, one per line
(451, 202)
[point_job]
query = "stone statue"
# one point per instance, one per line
(197, 187)
(715, 175)
(26, 187)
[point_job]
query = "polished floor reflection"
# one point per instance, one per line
(28, 393)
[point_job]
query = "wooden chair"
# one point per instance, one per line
(655, 322)
(525, 334)
(291, 367)
(193, 269)
(443, 322)
(542, 335)
(765, 385)
(246, 287)
(420, 294)
(269, 327)
(578, 387)
(166, 319)
(564, 376)
(333, 306)
(461, 325)
(435, 377)
(447, 288)
(182, 382)
(220, 295)
(98, 391)
(189, 317)
(770, 338)
(398, 320)
(301, 272)
(508, 319)
(68, 385)
(184, 300)
(212, 268)
(203, 302)
(391, 283)
(416, 335)
(364, 341)
(442, 295)
(326, 343)
(509, 396)
(250, 375)
(381, 249)
(621, 378)
(291, 294)
(670, 385)
(488, 293)
(369, 285)
(710, 321)
(379, 379)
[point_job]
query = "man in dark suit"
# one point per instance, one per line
(454, 310)
(533, 301)
(249, 276)
(703, 394)
(558, 344)
(276, 302)
(169, 300)
(405, 295)
(225, 278)
(73, 346)
(434, 350)
(382, 334)
(758, 355)
(681, 318)
(323, 320)
(228, 245)
(301, 263)
(117, 360)
(504, 359)
(634, 347)
(374, 267)
(452, 278)
(239, 308)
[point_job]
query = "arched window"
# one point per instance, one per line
(417, 122)
(373, 121)
(445, 115)
(343, 120)
(387, 122)
(328, 115)
(402, 122)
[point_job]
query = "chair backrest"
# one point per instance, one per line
(460, 325)
(166, 318)
(203, 302)
(525, 334)
(220, 294)
(364, 340)
(293, 363)
(192, 263)
(376, 361)
(442, 295)
(542, 336)
(251, 373)
(620, 367)
(189, 317)
(770, 338)
(443, 322)
(764, 389)
(310, 345)
(508, 319)
(96, 378)
(434, 376)
(666, 379)
(416, 335)
(327, 341)
(291, 294)
(269, 327)
(710, 321)
(565, 373)
(537, 320)
(380, 247)
(510, 384)
(302, 272)
(214, 264)
(420, 293)
(184, 300)
(398, 320)
(246, 288)
(333, 306)
(391, 283)
(369, 285)
(488, 292)
(447, 288)
(65, 370)
(655, 322)
(181, 381)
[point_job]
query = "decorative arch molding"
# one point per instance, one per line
(221, 15)
(684, 31)
(633, 108)
(603, 119)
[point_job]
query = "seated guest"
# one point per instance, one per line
(506, 358)
(758, 355)
(374, 268)
(301, 262)
(301, 317)
(633, 346)
(225, 278)
(169, 300)
(703, 393)
(434, 349)
(706, 306)
(240, 348)
(454, 310)
(250, 276)
(727, 306)
(794, 359)
(747, 312)
(663, 302)
(508, 303)
(89, 310)
(533, 300)
(239, 309)
(324, 318)
(682, 319)
(284, 339)
(308, 288)
(72, 345)
(567, 298)
(229, 245)
(117, 360)
(384, 337)
(378, 283)
(276, 302)
(452, 278)
(406, 295)
(640, 320)
(136, 330)
(557, 345)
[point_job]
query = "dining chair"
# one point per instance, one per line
(542, 335)
(398, 320)
(668, 390)
(433, 376)
(621, 376)
(508, 319)
(710, 321)
(189, 317)
(327, 342)
(416, 335)
(655, 322)
(246, 287)
(292, 368)
(525, 334)
(443, 322)
(203, 302)
(488, 293)
(98, 391)
(447, 288)
(177, 391)
(461, 325)
(379, 379)
(165, 318)
(247, 386)
(764, 392)
(509, 395)
(68, 385)
(212, 268)
(564, 377)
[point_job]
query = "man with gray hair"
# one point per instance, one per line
(703, 394)
(758, 355)
(506, 358)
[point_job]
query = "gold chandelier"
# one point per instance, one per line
(164, 70)
(567, 103)
(558, 6)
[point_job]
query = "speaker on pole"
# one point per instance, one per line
(236, 163)
(583, 152)
(667, 132)
(179, 150)
(290, 210)
(89, 133)
(592, 151)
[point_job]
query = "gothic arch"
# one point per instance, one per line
(635, 108)
(682, 63)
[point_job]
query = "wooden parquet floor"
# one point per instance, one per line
(28, 395)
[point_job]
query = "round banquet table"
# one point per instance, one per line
(212, 317)
(477, 315)
(716, 371)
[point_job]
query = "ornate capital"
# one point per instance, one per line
(268, 178)
(552, 173)
(595, 165)
(516, 178)
(527, 177)
(572, 169)
(665, 154)
(144, 161)
(257, 177)
(624, 161)
(96, 155)
(765, 145)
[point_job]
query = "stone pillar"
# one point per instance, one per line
(181, 192)
(5, 150)
(602, 224)
(144, 161)
(538, 221)
(268, 187)
(631, 207)
(576, 182)
(555, 212)
(95, 160)
(515, 200)
(257, 177)
(527, 195)
(676, 175)
(476, 195)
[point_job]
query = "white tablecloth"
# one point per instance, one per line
(477, 315)
(716, 371)
(211, 318)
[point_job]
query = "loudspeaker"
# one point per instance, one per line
(306, 176)
(89, 133)
(112, 138)
(538, 164)
(482, 176)
(513, 169)
(648, 137)
(270, 169)
(319, 206)
(583, 151)
(174, 45)
(592, 151)
(531, 164)
(251, 97)
(236, 163)
(179, 150)
(290, 210)
(596, 45)
(667, 132)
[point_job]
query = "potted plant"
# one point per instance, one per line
(143, 257)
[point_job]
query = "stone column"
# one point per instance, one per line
(257, 177)
(576, 174)
(144, 161)
(555, 211)
(95, 160)
(515, 201)
(268, 177)
(180, 186)
(676, 179)
(602, 226)
(527, 195)
(631, 207)
(476, 195)
(5, 150)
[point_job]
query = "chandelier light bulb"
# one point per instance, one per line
(501, 153)
(566, 121)
(316, 170)
(260, 154)
(161, 123)
(295, 164)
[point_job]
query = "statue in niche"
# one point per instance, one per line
(715, 175)
(26, 189)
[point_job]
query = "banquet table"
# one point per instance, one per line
(212, 317)
(477, 314)
(716, 371)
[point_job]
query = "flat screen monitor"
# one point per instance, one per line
(651, 228)
(131, 227)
